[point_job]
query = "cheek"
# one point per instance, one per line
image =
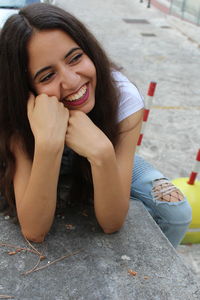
(49, 90)
(91, 70)
(93, 74)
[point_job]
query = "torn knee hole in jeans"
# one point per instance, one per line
(164, 190)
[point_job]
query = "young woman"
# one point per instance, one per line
(68, 118)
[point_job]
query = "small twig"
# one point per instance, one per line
(6, 297)
(8, 245)
(18, 249)
(33, 247)
(33, 250)
(32, 269)
(55, 261)
(41, 257)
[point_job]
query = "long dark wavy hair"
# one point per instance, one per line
(15, 86)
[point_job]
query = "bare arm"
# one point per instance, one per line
(35, 183)
(112, 171)
(111, 168)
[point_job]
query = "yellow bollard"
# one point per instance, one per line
(192, 192)
(191, 189)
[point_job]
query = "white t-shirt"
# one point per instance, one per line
(130, 98)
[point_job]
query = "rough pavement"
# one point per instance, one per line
(80, 262)
(166, 50)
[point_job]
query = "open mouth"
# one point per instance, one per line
(77, 98)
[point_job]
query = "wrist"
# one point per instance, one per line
(48, 146)
(102, 154)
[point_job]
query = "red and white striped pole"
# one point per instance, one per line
(195, 170)
(148, 104)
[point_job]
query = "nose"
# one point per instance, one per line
(69, 79)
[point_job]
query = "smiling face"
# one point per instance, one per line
(59, 67)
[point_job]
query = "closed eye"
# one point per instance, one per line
(76, 58)
(47, 77)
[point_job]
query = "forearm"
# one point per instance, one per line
(111, 202)
(36, 209)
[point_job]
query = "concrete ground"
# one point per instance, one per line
(83, 263)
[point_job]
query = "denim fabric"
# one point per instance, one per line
(172, 217)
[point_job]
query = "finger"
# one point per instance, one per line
(67, 112)
(31, 103)
(71, 113)
(52, 98)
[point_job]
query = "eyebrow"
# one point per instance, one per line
(49, 67)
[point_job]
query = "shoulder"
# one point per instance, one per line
(126, 87)
(130, 100)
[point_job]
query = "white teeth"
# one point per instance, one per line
(78, 95)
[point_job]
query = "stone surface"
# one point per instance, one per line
(101, 270)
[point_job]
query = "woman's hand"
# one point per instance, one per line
(84, 137)
(48, 119)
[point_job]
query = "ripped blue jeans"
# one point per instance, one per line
(166, 204)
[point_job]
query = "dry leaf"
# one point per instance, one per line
(12, 253)
(42, 257)
(131, 272)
